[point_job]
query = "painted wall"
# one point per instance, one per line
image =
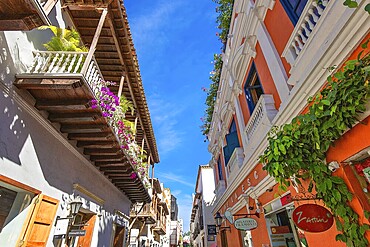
(34, 153)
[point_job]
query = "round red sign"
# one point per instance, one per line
(312, 218)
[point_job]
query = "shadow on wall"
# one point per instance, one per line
(11, 127)
(46, 163)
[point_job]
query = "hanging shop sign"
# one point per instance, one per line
(312, 218)
(245, 224)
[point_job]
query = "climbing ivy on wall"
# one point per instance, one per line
(224, 9)
(298, 149)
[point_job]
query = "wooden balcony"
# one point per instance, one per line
(116, 56)
(23, 15)
(160, 227)
(148, 212)
(62, 90)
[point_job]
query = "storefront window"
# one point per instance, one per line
(280, 226)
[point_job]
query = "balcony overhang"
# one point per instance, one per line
(160, 230)
(116, 57)
(65, 97)
(21, 15)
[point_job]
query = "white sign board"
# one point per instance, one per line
(61, 227)
(245, 224)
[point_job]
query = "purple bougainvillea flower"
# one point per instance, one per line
(133, 175)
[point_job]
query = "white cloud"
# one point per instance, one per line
(153, 21)
(169, 176)
(164, 117)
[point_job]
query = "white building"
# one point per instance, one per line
(55, 149)
(202, 222)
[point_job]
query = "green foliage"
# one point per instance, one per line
(212, 93)
(352, 4)
(299, 149)
(63, 40)
(225, 9)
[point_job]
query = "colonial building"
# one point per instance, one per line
(149, 221)
(276, 56)
(203, 229)
(69, 169)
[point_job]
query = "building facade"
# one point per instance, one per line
(57, 151)
(276, 57)
(149, 220)
(203, 229)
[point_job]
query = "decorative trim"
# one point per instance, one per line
(85, 191)
(17, 184)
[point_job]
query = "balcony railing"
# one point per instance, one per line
(259, 123)
(234, 164)
(304, 29)
(220, 188)
(61, 63)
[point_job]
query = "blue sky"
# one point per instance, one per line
(175, 42)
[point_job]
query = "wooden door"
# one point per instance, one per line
(119, 236)
(39, 222)
(85, 241)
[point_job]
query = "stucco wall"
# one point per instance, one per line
(30, 151)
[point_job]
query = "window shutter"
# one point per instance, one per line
(40, 221)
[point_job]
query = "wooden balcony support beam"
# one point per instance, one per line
(97, 136)
(94, 41)
(111, 163)
(116, 157)
(83, 128)
(102, 151)
(46, 83)
(77, 104)
(74, 117)
(97, 144)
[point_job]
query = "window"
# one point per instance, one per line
(253, 88)
(294, 9)
(219, 167)
(232, 142)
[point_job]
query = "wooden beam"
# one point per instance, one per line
(120, 87)
(101, 151)
(83, 128)
(97, 136)
(96, 144)
(63, 104)
(115, 157)
(111, 163)
(94, 41)
(74, 117)
(38, 83)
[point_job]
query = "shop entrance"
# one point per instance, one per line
(282, 230)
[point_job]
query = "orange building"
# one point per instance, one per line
(276, 57)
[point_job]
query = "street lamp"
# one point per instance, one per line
(75, 206)
(218, 220)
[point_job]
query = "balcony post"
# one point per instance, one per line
(94, 41)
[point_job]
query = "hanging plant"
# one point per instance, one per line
(115, 109)
(302, 144)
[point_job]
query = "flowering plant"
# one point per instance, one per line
(114, 109)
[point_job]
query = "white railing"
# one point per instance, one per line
(259, 123)
(220, 189)
(235, 162)
(303, 29)
(63, 62)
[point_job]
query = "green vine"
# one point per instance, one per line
(298, 150)
(224, 9)
(212, 93)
